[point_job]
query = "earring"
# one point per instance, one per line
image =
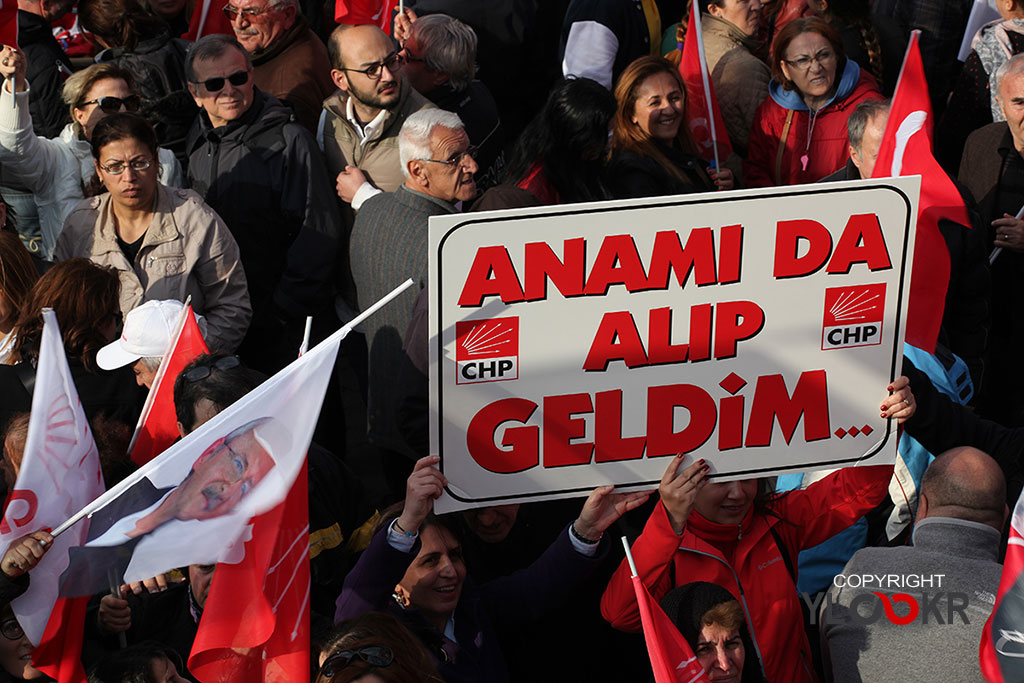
(400, 597)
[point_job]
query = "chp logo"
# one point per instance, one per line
(853, 316)
(486, 350)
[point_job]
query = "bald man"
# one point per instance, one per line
(951, 574)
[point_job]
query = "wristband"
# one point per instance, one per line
(581, 538)
(399, 529)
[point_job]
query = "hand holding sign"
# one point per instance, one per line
(602, 508)
(424, 485)
(679, 490)
(900, 404)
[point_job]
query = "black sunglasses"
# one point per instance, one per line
(112, 105)
(215, 84)
(201, 372)
(374, 655)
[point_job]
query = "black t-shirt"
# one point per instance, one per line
(131, 250)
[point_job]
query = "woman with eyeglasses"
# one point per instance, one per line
(374, 648)
(16, 651)
(164, 243)
(799, 133)
(141, 44)
(59, 171)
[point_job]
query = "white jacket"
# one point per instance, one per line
(56, 170)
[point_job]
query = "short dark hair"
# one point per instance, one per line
(123, 126)
(221, 388)
(862, 114)
(211, 47)
(133, 664)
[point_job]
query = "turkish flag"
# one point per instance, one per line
(906, 149)
(705, 119)
(158, 425)
(255, 624)
(9, 22)
(1002, 640)
(208, 18)
(358, 12)
(59, 652)
(671, 656)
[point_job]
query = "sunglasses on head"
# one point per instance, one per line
(216, 84)
(112, 105)
(201, 372)
(374, 655)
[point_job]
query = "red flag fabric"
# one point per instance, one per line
(906, 149)
(208, 18)
(264, 637)
(1002, 640)
(671, 656)
(703, 114)
(158, 424)
(357, 12)
(9, 22)
(58, 654)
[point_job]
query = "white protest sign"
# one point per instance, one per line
(583, 345)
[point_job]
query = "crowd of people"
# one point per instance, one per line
(290, 170)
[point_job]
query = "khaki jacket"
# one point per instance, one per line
(187, 250)
(378, 158)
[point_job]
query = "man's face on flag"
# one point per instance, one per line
(222, 475)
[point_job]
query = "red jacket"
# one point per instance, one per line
(746, 560)
(829, 146)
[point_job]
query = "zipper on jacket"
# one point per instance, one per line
(740, 534)
(153, 259)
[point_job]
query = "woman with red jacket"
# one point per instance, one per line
(799, 133)
(730, 534)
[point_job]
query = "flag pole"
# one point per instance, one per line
(704, 79)
(304, 346)
(138, 474)
(629, 556)
(999, 250)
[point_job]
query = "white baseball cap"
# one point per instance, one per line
(148, 332)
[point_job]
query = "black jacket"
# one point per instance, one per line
(264, 175)
(43, 52)
(157, 66)
(631, 175)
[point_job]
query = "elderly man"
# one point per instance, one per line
(992, 170)
(265, 177)
(952, 572)
(440, 63)
(389, 244)
(289, 60)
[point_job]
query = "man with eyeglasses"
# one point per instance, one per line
(289, 61)
(262, 173)
(389, 244)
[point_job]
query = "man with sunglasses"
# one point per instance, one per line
(262, 173)
(289, 61)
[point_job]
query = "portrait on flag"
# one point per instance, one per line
(755, 329)
(227, 470)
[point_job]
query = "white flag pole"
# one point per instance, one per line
(629, 556)
(304, 346)
(999, 250)
(138, 474)
(704, 79)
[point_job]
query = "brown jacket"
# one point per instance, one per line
(378, 158)
(982, 166)
(187, 250)
(740, 79)
(295, 69)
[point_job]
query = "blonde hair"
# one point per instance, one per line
(78, 85)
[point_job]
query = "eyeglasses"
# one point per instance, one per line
(408, 57)
(457, 159)
(804, 63)
(201, 372)
(215, 84)
(112, 105)
(250, 13)
(374, 655)
(118, 167)
(11, 629)
(393, 62)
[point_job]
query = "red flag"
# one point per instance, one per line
(9, 22)
(671, 656)
(265, 636)
(357, 12)
(208, 18)
(158, 425)
(706, 125)
(1002, 640)
(58, 654)
(906, 149)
